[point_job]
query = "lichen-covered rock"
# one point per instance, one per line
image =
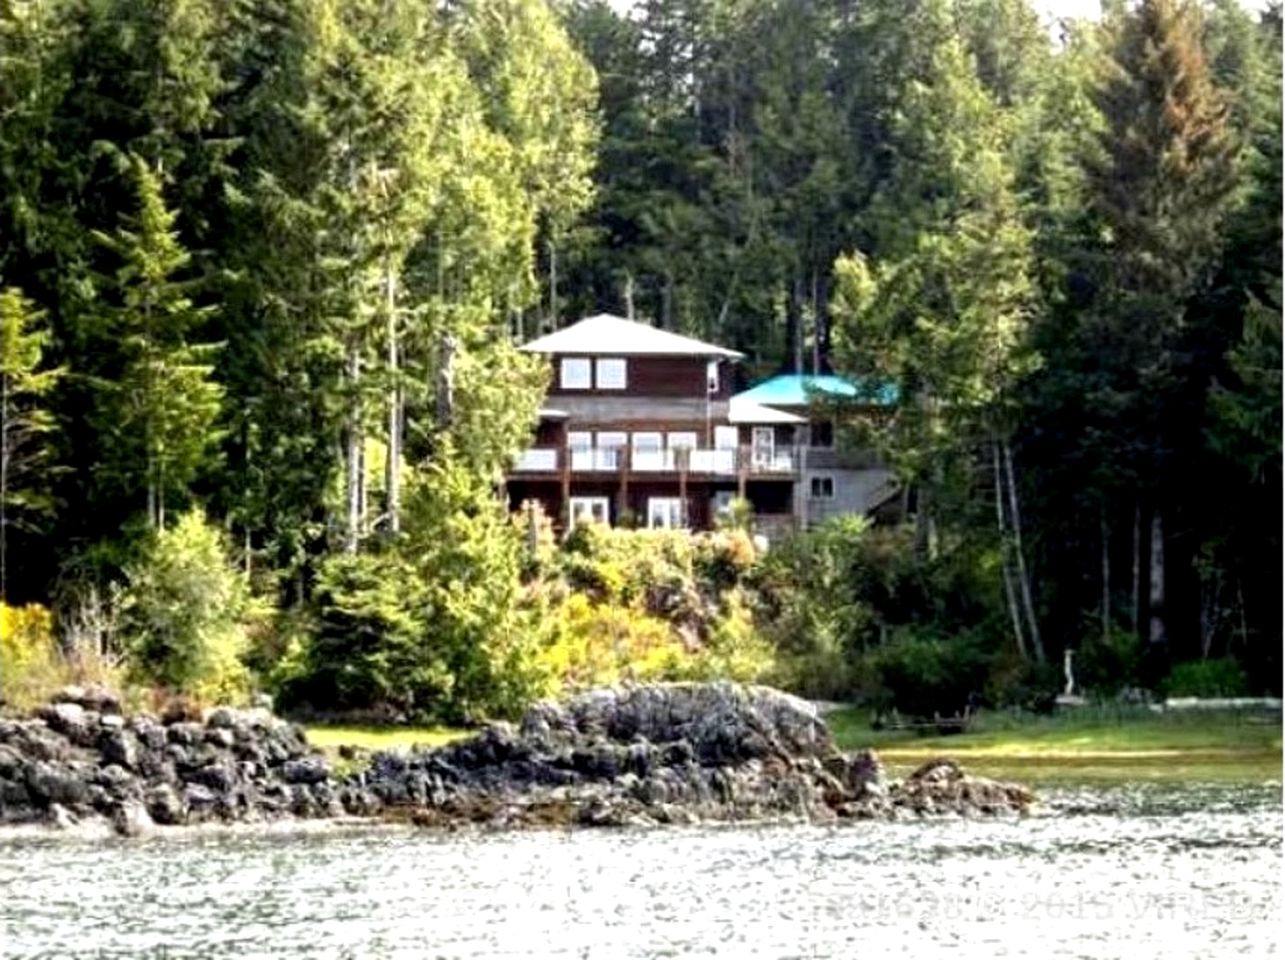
(636, 756)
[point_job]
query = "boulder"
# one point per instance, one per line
(131, 819)
(164, 805)
(306, 770)
(69, 719)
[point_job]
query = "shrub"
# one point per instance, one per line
(366, 649)
(30, 664)
(1106, 665)
(735, 649)
(593, 644)
(184, 613)
(922, 675)
(1223, 677)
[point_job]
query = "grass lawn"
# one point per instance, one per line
(331, 738)
(1090, 745)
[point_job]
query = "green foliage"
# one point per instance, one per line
(1104, 666)
(366, 646)
(159, 415)
(25, 421)
(185, 613)
(31, 665)
(925, 675)
(1223, 677)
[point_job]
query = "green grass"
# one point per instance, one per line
(331, 738)
(1092, 745)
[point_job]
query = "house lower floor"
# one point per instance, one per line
(655, 504)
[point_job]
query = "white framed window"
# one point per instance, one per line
(611, 374)
(681, 440)
(821, 487)
(648, 441)
(612, 439)
(574, 374)
(726, 438)
(586, 509)
(665, 513)
(579, 439)
(763, 447)
(711, 377)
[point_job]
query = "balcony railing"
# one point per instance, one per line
(537, 460)
(596, 459)
(718, 462)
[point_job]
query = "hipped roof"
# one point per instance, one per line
(607, 334)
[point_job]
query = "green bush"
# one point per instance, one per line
(366, 648)
(1223, 677)
(1107, 665)
(184, 613)
(923, 675)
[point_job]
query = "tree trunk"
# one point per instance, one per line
(1023, 577)
(667, 302)
(352, 453)
(629, 295)
(823, 321)
(446, 382)
(794, 324)
(816, 328)
(1137, 568)
(1010, 594)
(1156, 631)
(1106, 574)
(553, 284)
(393, 461)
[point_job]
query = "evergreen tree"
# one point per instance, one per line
(25, 420)
(160, 414)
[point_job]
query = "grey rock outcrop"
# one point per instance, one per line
(667, 753)
(69, 763)
(633, 756)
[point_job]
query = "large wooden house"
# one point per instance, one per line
(640, 426)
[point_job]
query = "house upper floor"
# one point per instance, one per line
(604, 364)
(625, 397)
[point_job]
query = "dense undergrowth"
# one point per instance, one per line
(482, 619)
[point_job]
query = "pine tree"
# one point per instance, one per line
(25, 421)
(942, 308)
(1161, 183)
(161, 411)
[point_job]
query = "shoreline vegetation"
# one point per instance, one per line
(1098, 745)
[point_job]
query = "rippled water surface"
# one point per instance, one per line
(1120, 873)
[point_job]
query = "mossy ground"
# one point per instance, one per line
(1094, 745)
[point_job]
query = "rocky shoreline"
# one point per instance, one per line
(633, 756)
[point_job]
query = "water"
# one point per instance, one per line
(1137, 873)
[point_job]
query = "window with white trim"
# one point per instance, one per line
(822, 487)
(611, 374)
(648, 441)
(726, 438)
(589, 509)
(681, 440)
(665, 513)
(575, 373)
(579, 439)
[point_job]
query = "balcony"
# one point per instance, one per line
(723, 462)
(537, 460)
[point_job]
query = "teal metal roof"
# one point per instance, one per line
(799, 390)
